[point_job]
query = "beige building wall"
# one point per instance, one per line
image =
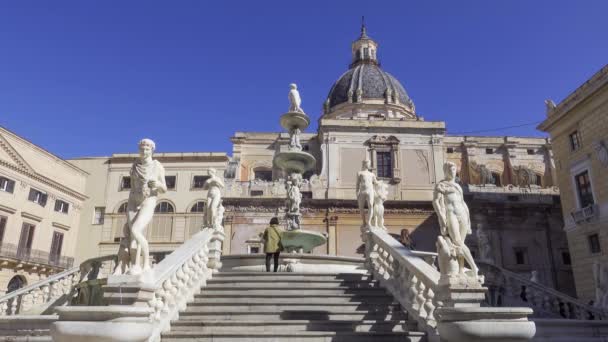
(584, 114)
(54, 211)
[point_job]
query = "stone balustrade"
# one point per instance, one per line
(57, 289)
(545, 301)
(411, 280)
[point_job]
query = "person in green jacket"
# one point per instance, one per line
(272, 243)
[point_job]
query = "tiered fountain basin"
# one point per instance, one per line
(301, 240)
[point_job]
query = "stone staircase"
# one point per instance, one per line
(257, 306)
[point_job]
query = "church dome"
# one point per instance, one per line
(366, 90)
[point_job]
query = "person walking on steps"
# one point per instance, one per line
(272, 243)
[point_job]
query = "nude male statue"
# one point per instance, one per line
(453, 215)
(147, 182)
(214, 186)
(294, 139)
(294, 99)
(366, 180)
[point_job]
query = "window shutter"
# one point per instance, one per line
(57, 205)
(43, 198)
(10, 186)
(32, 195)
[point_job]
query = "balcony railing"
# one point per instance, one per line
(584, 214)
(9, 250)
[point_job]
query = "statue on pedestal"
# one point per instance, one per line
(294, 139)
(214, 186)
(147, 182)
(380, 195)
(294, 99)
(454, 222)
(294, 196)
(485, 245)
(366, 180)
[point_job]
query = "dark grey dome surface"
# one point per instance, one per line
(373, 82)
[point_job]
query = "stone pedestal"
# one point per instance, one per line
(215, 250)
(127, 290)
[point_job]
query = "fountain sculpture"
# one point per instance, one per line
(294, 162)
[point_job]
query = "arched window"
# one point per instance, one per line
(198, 207)
(122, 209)
(15, 284)
(164, 207)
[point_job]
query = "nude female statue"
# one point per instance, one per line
(147, 182)
(453, 215)
(366, 180)
(214, 186)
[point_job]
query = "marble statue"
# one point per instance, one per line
(294, 196)
(454, 220)
(294, 99)
(526, 176)
(366, 180)
(602, 152)
(485, 175)
(550, 105)
(380, 195)
(217, 220)
(294, 139)
(147, 182)
(214, 186)
(600, 277)
(485, 245)
(534, 276)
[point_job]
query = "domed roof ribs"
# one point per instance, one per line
(390, 89)
(351, 88)
(360, 84)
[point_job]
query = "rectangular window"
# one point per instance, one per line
(170, 181)
(265, 175)
(254, 249)
(56, 245)
(125, 183)
(385, 164)
(521, 256)
(7, 185)
(306, 194)
(566, 258)
(594, 243)
(38, 197)
(257, 193)
(199, 181)
(489, 151)
(62, 206)
(583, 186)
(25, 240)
(450, 150)
(575, 141)
(99, 215)
(530, 151)
(3, 220)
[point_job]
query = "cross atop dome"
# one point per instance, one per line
(364, 49)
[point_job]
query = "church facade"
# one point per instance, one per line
(509, 182)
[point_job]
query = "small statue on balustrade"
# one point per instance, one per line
(380, 195)
(455, 225)
(366, 180)
(147, 182)
(214, 186)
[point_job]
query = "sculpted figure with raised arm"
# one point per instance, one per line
(366, 180)
(454, 219)
(147, 182)
(214, 186)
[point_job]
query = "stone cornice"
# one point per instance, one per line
(598, 80)
(173, 157)
(61, 226)
(7, 209)
(45, 180)
(31, 216)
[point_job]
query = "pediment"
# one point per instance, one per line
(11, 156)
(383, 140)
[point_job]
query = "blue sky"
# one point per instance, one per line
(90, 78)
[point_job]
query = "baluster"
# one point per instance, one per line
(429, 307)
(4, 308)
(412, 293)
(14, 308)
(420, 300)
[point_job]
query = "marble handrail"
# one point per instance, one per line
(411, 280)
(178, 277)
(51, 290)
(544, 298)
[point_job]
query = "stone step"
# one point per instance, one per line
(226, 307)
(290, 277)
(296, 336)
(318, 290)
(293, 325)
(212, 300)
(293, 284)
(349, 315)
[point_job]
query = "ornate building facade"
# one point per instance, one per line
(509, 182)
(579, 131)
(41, 198)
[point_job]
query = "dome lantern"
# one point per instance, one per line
(364, 49)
